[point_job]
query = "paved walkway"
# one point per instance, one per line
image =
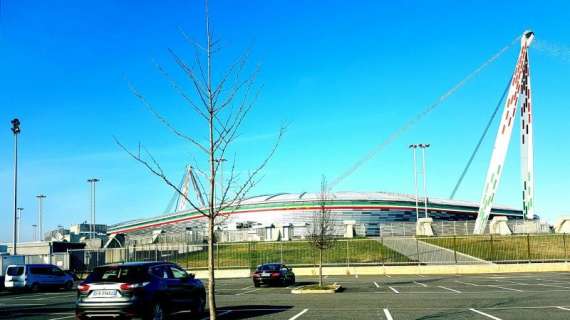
(423, 252)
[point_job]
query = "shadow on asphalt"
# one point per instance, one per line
(19, 312)
(250, 311)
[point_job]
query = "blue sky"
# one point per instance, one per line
(344, 75)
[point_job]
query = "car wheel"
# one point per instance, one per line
(68, 285)
(199, 308)
(256, 284)
(35, 287)
(157, 312)
(293, 280)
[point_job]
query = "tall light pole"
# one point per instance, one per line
(40, 197)
(414, 147)
(16, 130)
(19, 217)
(92, 181)
(424, 147)
(34, 231)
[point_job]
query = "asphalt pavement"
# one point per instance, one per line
(488, 296)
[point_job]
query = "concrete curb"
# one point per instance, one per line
(403, 270)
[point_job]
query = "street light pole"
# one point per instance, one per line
(19, 222)
(34, 231)
(93, 181)
(424, 147)
(16, 130)
(414, 147)
(40, 197)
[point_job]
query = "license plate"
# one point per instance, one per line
(104, 293)
(265, 274)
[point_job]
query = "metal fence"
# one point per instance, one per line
(372, 251)
(459, 228)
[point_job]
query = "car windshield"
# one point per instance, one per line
(269, 267)
(129, 274)
(15, 271)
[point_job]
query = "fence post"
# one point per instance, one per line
(217, 255)
(347, 256)
(187, 255)
(455, 249)
(528, 246)
(281, 250)
(381, 250)
(418, 250)
(565, 251)
(492, 253)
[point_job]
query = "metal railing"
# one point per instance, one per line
(372, 251)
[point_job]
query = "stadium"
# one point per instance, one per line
(287, 216)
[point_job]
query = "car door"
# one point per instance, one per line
(181, 287)
(57, 275)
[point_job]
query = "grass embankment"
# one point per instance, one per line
(298, 253)
(550, 247)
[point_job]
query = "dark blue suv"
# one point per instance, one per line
(148, 290)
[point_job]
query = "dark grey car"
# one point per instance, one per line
(147, 290)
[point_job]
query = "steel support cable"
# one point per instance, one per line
(474, 153)
(410, 123)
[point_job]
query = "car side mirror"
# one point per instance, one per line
(191, 276)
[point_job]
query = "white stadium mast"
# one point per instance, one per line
(519, 94)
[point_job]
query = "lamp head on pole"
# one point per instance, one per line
(16, 126)
(413, 146)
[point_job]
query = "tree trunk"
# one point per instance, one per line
(211, 278)
(320, 267)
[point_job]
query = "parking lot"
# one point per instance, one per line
(489, 296)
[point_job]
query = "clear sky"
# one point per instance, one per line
(343, 74)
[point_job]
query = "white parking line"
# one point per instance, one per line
(376, 284)
(395, 291)
(245, 292)
(73, 316)
(356, 276)
(485, 314)
(387, 275)
(452, 290)
(388, 315)
(298, 314)
(562, 308)
(421, 284)
(505, 288)
(421, 276)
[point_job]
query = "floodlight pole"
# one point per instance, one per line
(19, 222)
(16, 131)
(424, 147)
(414, 147)
(40, 197)
(92, 181)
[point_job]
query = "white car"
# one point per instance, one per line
(36, 276)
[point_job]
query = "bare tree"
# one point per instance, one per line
(322, 231)
(221, 101)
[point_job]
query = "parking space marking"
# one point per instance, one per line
(60, 318)
(246, 292)
(376, 284)
(387, 314)
(388, 276)
(562, 308)
(298, 314)
(219, 315)
(393, 289)
(452, 290)
(505, 288)
(421, 284)
(485, 314)
(421, 276)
